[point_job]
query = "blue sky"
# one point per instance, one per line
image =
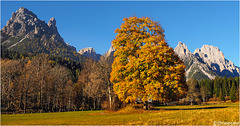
(92, 24)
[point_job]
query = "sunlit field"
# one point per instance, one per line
(166, 115)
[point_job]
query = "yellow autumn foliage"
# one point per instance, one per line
(144, 65)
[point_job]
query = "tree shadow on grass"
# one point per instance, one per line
(186, 108)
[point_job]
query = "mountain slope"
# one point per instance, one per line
(207, 62)
(215, 59)
(25, 33)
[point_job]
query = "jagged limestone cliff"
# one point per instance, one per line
(207, 62)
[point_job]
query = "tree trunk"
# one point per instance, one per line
(22, 93)
(69, 103)
(21, 97)
(48, 101)
(94, 103)
(8, 94)
(110, 97)
(25, 102)
(60, 108)
(41, 103)
(146, 105)
(83, 104)
(99, 103)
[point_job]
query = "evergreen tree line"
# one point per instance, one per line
(222, 88)
(218, 89)
(10, 54)
(44, 83)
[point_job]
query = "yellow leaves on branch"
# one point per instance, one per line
(144, 65)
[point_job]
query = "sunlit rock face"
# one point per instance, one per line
(207, 62)
(90, 53)
(215, 59)
(25, 23)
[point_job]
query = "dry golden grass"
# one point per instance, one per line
(165, 115)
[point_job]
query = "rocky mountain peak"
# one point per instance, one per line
(211, 53)
(208, 61)
(25, 33)
(23, 12)
(111, 49)
(90, 53)
(110, 52)
(53, 29)
(87, 50)
(52, 22)
(25, 23)
(214, 58)
(182, 48)
(183, 51)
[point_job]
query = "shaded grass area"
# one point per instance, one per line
(201, 108)
(163, 115)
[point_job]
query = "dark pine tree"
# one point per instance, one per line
(233, 93)
(225, 88)
(216, 87)
(221, 95)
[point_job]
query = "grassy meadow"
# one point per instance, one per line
(163, 115)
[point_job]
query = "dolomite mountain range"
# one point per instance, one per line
(207, 62)
(24, 31)
(25, 23)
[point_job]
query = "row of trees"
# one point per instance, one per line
(145, 68)
(218, 89)
(94, 84)
(46, 83)
(221, 87)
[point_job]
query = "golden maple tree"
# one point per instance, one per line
(145, 66)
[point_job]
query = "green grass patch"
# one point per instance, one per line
(163, 115)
